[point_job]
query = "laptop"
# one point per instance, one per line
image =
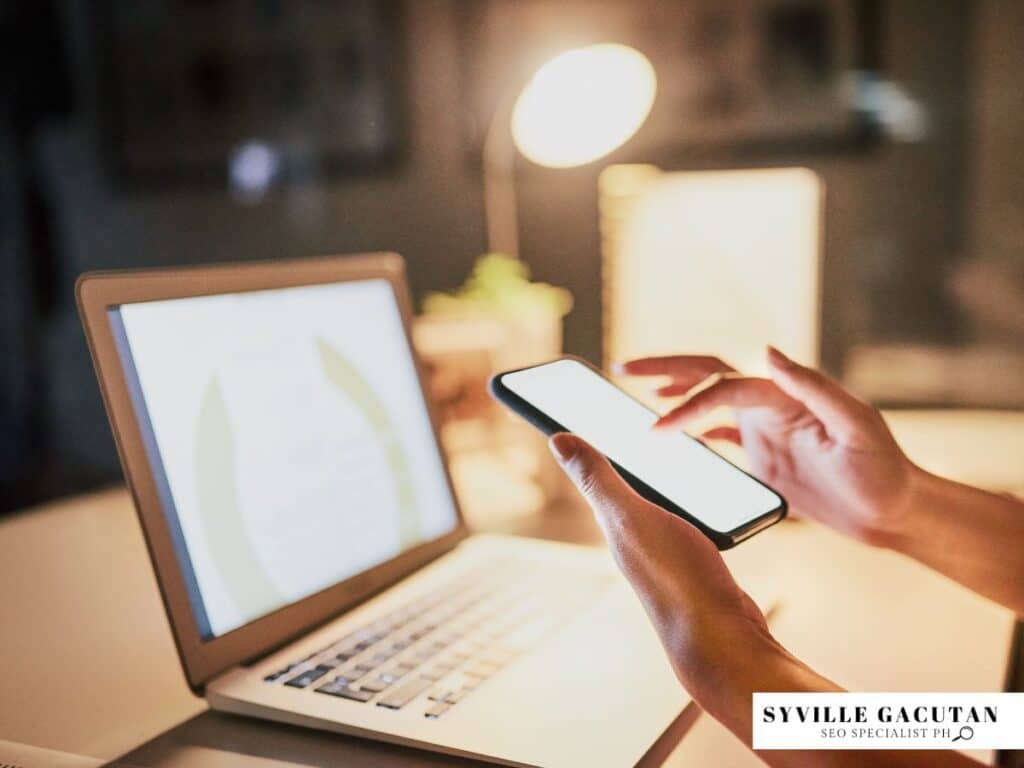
(312, 559)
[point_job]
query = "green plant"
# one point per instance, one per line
(499, 284)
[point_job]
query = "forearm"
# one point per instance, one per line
(772, 669)
(972, 536)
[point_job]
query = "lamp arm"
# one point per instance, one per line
(499, 180)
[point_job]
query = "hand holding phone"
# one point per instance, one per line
(672, 470)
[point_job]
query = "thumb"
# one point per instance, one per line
(843, 415)
(608, 494)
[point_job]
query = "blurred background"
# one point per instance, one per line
(844, 178)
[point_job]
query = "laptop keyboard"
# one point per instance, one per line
(439, 648)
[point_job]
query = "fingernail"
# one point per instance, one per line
(563, 446)
(778, 359)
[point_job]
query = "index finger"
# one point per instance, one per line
(740, 392)
(677, 366)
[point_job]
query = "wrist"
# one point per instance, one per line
(749, 662)
(904, 521)
(758, 663)
(892, 522)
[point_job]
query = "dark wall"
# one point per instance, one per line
(895, 220)
(997, 105)
(428, 208)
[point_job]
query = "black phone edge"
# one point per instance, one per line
(547, 425)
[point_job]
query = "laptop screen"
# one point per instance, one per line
(288, 437)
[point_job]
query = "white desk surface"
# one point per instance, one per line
(89, 667)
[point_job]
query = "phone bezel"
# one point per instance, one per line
(722, 539)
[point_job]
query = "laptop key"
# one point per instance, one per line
(435, 674)
(482, 670)
(402, 695)
(392, 675)
(374, 686)
(456, 696)
(309, 676)
(275, 676)
(437, 710)
(344, 691)
(354, 673)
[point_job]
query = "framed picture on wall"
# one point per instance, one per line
(186, 85)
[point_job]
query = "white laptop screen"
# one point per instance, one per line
(288, 437)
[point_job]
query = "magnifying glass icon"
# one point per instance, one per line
(966, 733)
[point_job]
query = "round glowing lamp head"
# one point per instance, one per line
(583, 104)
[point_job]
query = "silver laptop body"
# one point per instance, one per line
(311, 554)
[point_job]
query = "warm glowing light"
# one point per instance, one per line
(583, 104)
(724, 260)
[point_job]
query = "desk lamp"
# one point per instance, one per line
(576, 108)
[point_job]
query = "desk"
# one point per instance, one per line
(89, 667)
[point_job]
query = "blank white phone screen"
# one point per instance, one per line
(699, 481)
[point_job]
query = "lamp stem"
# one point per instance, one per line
(499, 179)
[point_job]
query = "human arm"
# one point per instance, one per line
(716, 638)
(836, 461)
(972, 536)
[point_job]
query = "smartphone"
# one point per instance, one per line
(671, 469)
